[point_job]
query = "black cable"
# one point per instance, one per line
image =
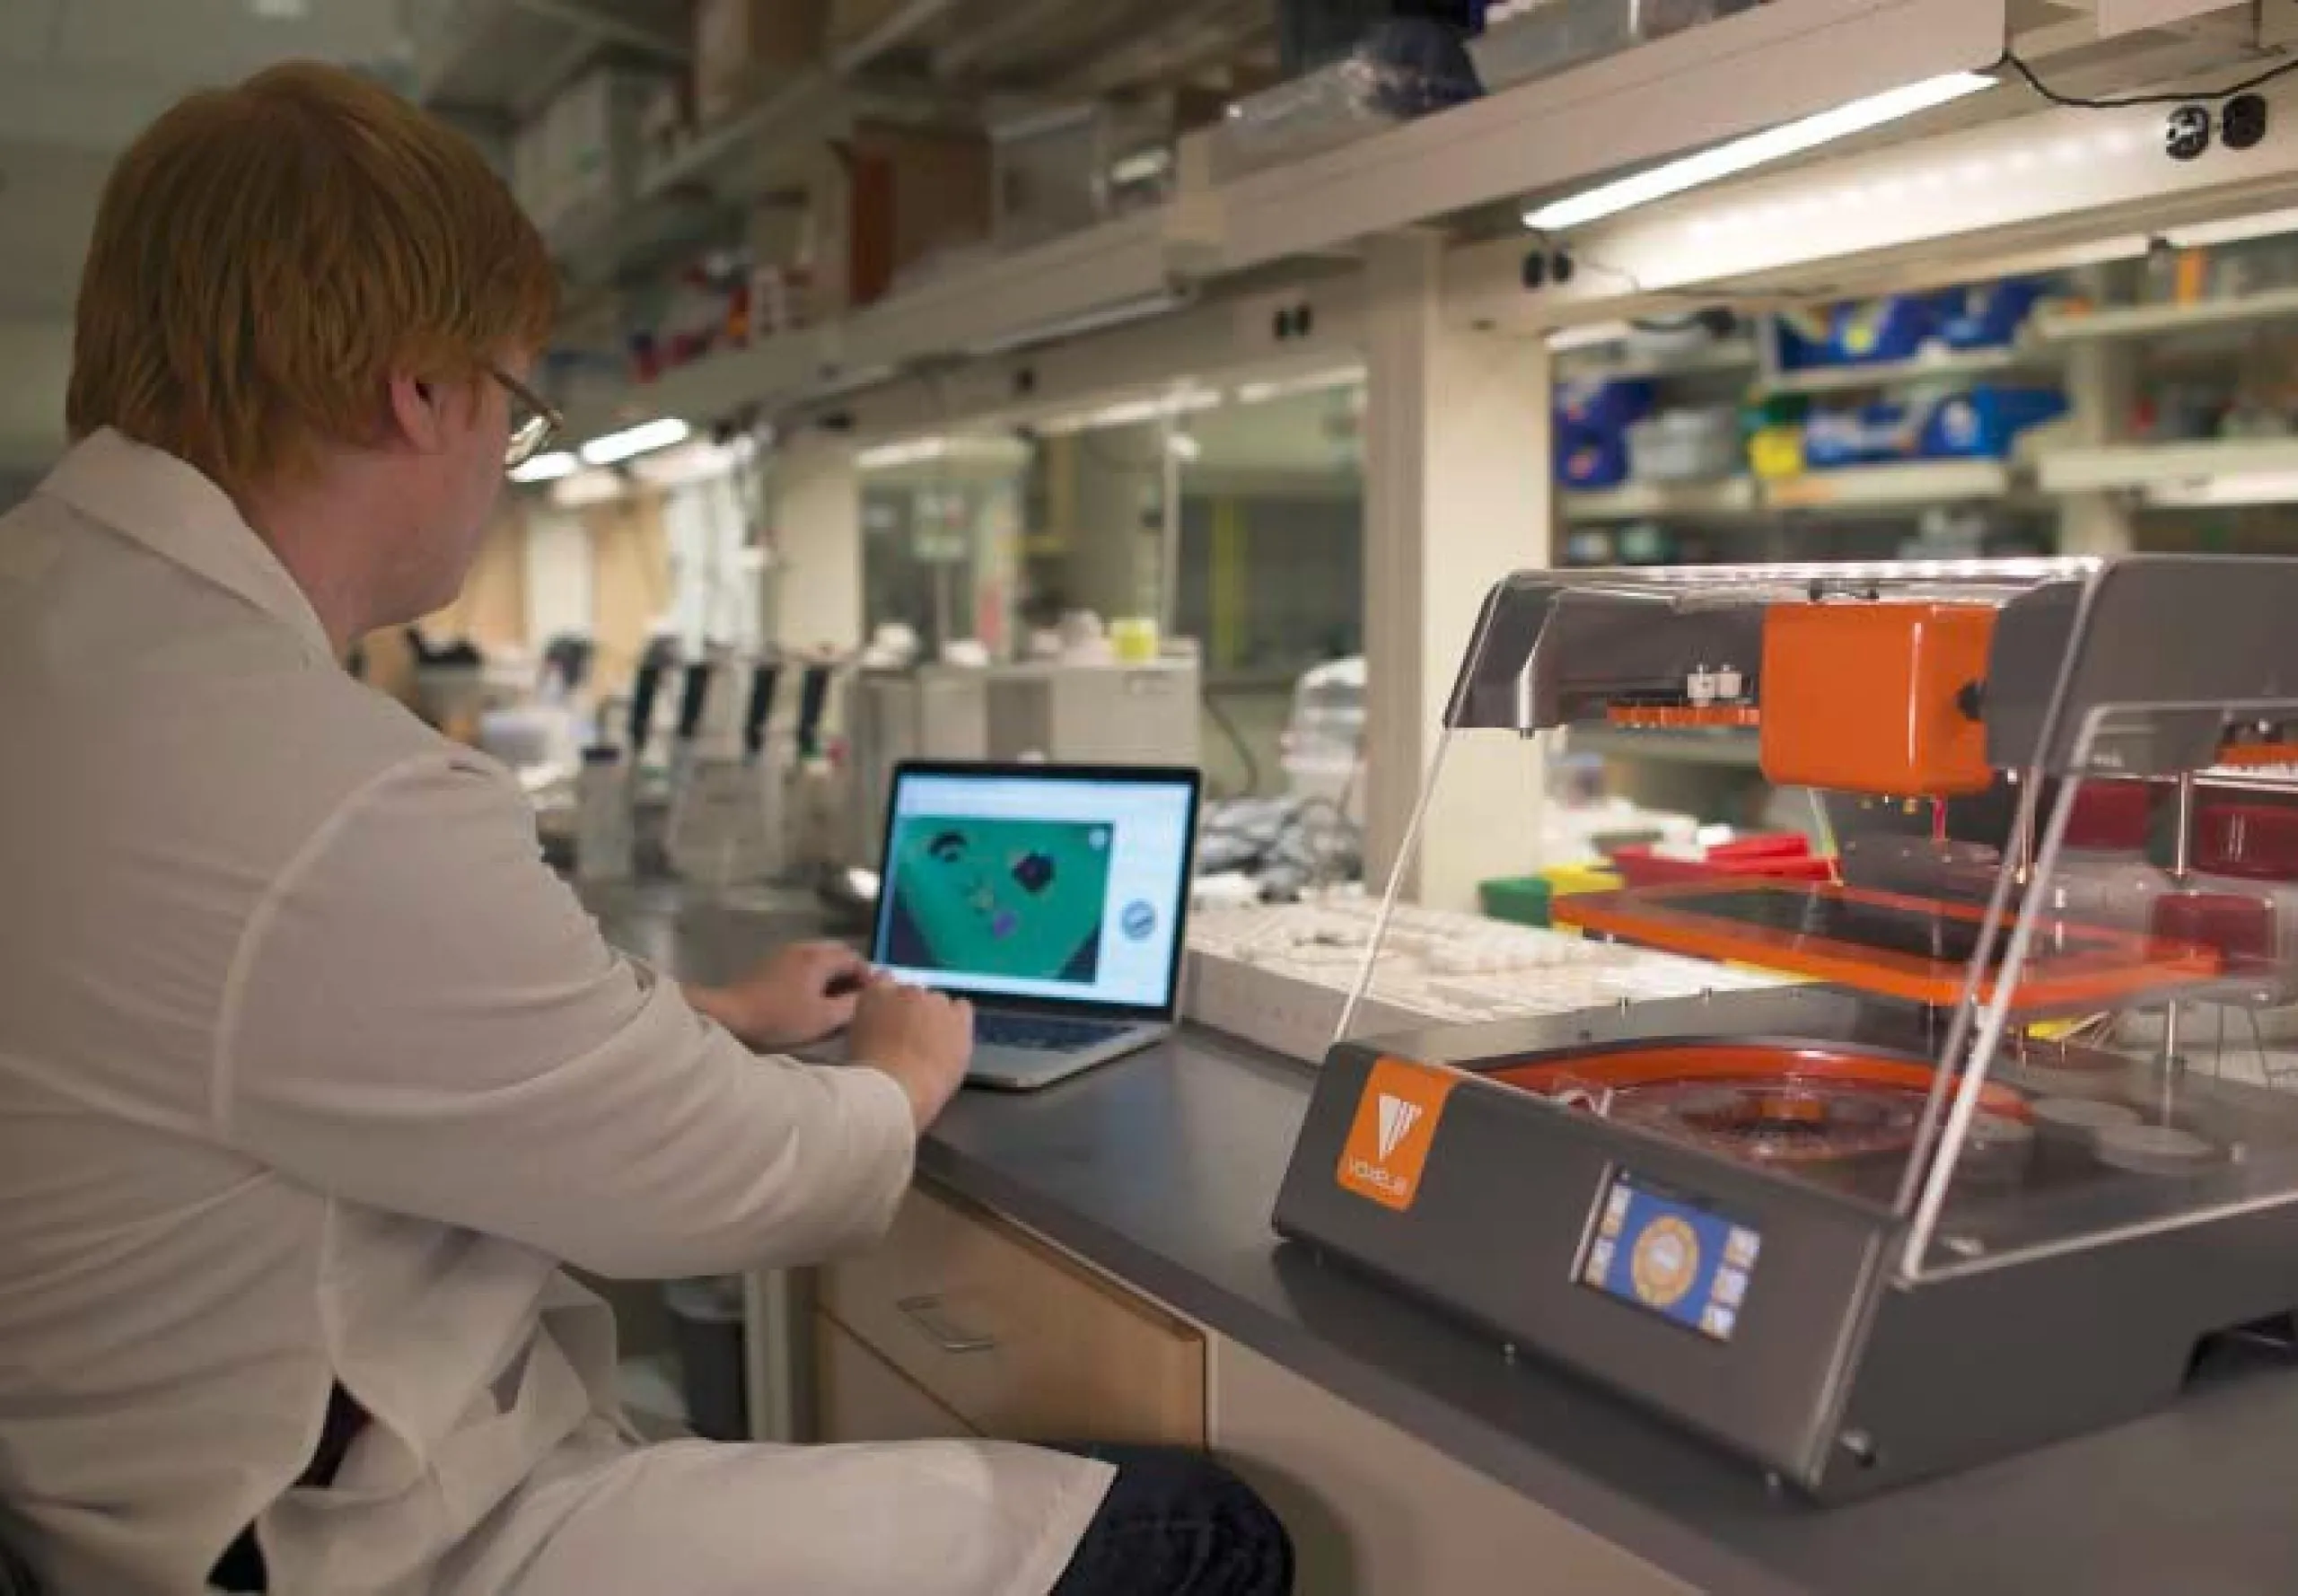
(2125, 102)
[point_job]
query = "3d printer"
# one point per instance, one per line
(1989, 1176)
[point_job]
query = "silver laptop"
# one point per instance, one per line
(1054, 896)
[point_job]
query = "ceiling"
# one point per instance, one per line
(78, 80)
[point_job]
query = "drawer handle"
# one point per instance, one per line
(926, 1314)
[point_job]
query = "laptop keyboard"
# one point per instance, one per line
(1035, 1033)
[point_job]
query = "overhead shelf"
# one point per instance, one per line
(1917, 482)
(1121, 271)
(1912, 484)
(1643, 501)
(2222, 471)
(1945, 365)
(710, 390)
(771, 147)
(2139, 321)
(1727, 355)
(1682, 93)
(507, 57)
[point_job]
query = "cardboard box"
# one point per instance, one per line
(741, 47)
(886, 199)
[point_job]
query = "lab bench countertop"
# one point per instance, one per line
(1163, 1169)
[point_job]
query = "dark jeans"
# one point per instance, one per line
(1177, 1524)
(1174, 1523)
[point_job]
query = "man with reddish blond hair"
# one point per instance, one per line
(312, 1079)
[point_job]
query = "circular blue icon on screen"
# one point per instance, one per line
(1138, 921)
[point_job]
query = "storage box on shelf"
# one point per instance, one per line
(1982, 423)
(578, 162)
(1387, 80)
(1314, 33)
(1062, 170)
(1904, 327)
(743, 48)
(1676, 447)
(1048, 170)
(1641, 436)
(886, 201)
(1524, 43)
(1591, 418)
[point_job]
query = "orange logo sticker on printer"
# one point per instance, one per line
(1395, 1127)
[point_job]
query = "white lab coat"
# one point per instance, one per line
(311, 1073)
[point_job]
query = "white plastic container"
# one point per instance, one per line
(1323, 743)
(1686, 446)
(1331, 106)
(1554, 36)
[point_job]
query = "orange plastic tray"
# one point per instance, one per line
(1724, 1062)
(2092, 964)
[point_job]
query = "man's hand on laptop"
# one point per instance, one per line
(921, 1038)
(802, 994)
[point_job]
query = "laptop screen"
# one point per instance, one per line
(1049, 885)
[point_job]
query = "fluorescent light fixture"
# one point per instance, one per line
(547, 468)
(1757, 149)
(1100, 320)
(647, 436)
(2234, 230)
(1143, 166)
(696, 460)
(1262, 393)
(585, 488)
(888, 457)
(1132, 412)
(2242, 488)
(1595, 334)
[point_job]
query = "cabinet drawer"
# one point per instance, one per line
(863, 1398)
(1018, 1341)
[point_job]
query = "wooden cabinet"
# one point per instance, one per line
(963, 1324)
(1012, 1338)
(1374, 1510)
(863, 1398)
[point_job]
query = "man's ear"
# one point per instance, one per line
(417, 415)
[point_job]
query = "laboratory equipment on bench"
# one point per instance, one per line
(729, 805)
(1097, 712)
(619, 806)
(1064, 713)
(933, 712)
(1278, 975)
(2004, 1168)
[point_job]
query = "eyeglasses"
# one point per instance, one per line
(533, 423)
